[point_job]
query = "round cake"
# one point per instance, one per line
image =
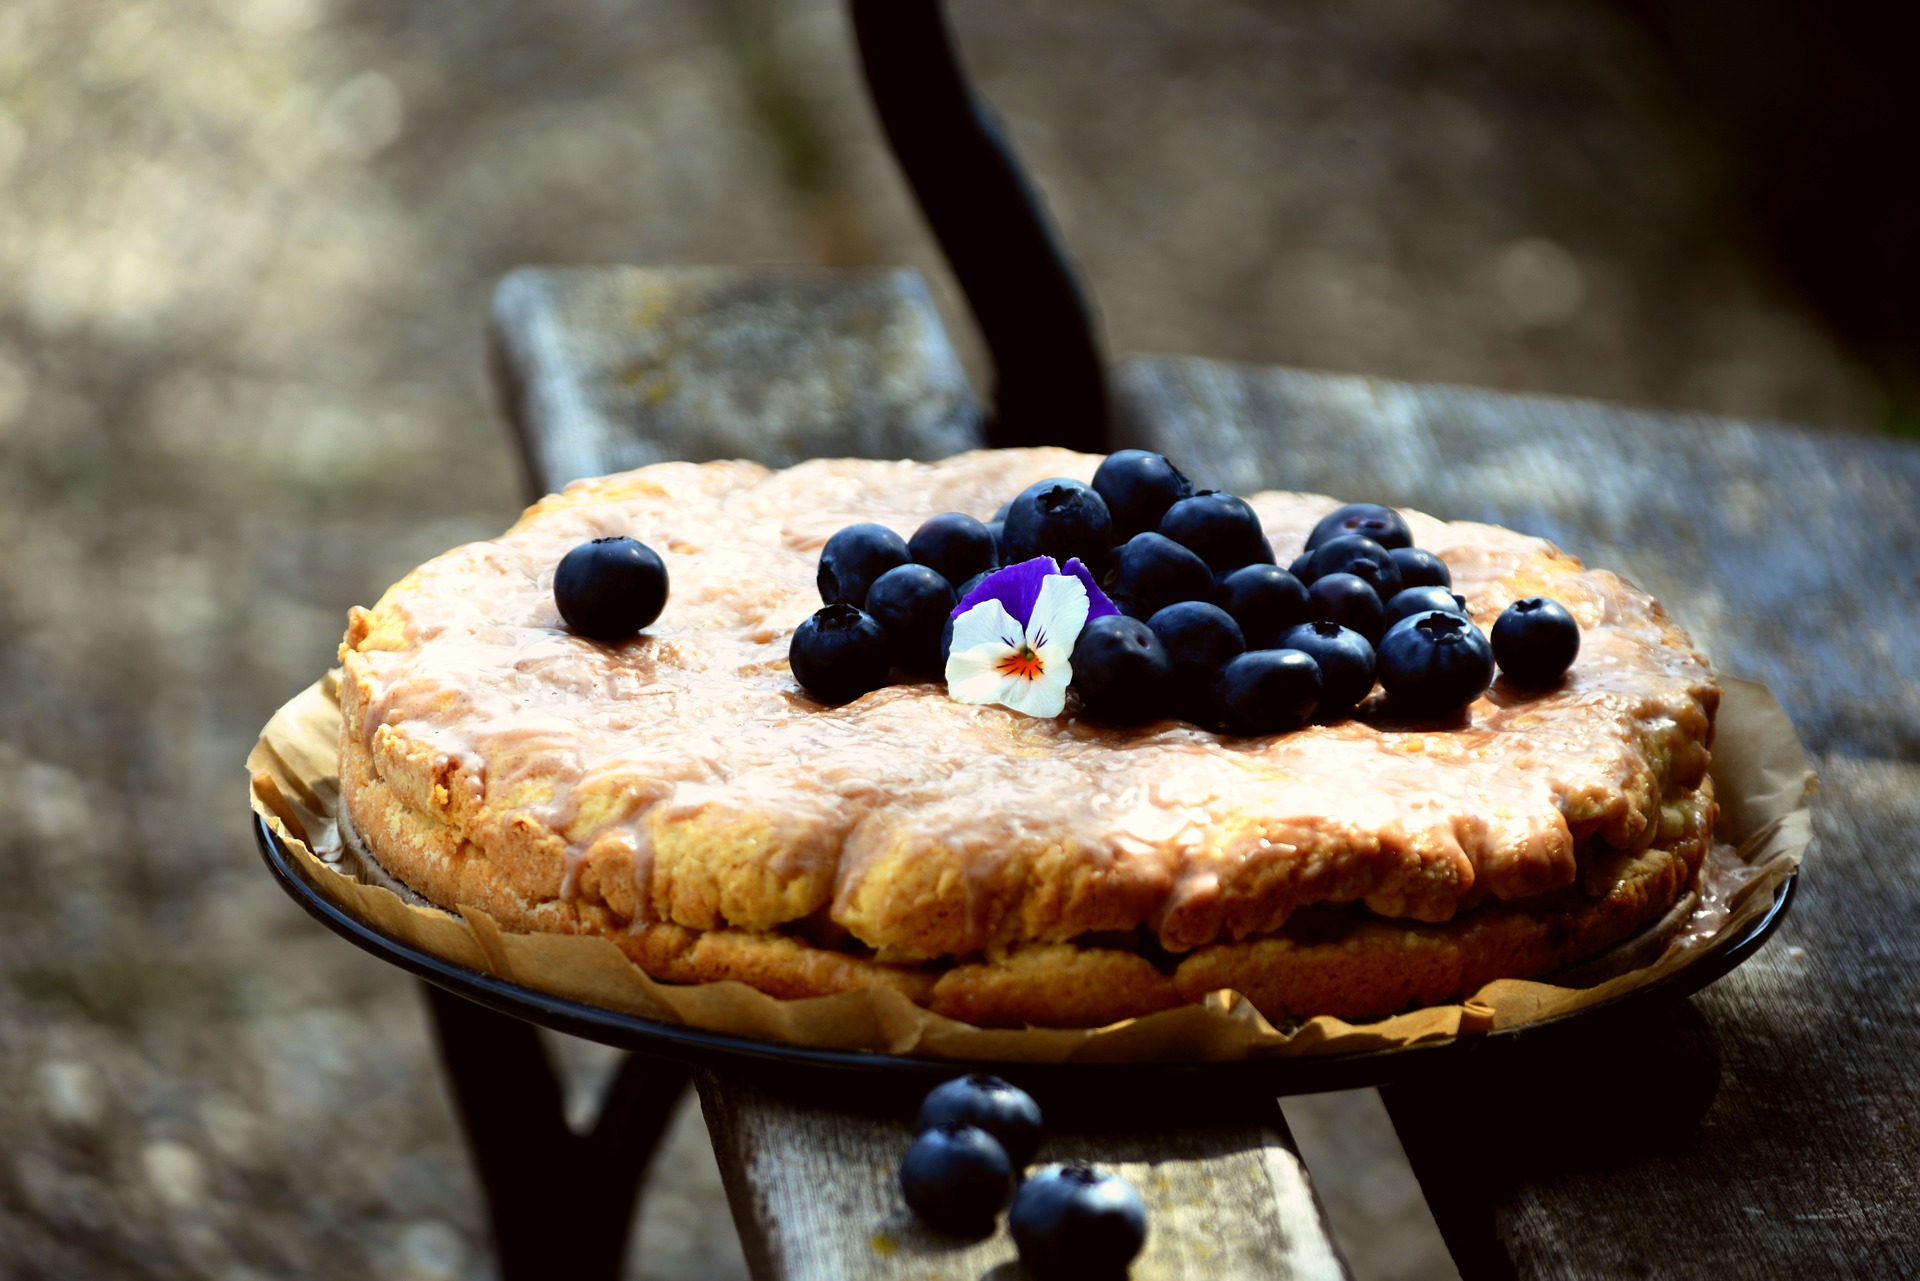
(680, 794)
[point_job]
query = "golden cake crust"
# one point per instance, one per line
(679, 794)
(1349, 968)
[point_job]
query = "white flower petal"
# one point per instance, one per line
(987, 623)
(974, 676)
(1058, 614)
(1046, 696)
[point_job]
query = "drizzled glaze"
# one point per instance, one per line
(683, 776)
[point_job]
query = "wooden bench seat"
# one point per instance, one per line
(1765, 1129)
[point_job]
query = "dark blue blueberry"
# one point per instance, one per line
(998, 528)
(839, 654)
(955, 546)
(1138, 487)
(1151, 572)
(1121, 670)
(1382, 524)
(957, 1178)
(1420, 568)
(1350, 602)
(1057, 518)
(853, 558)
(1535, 641)
(610, 588)
(1267, 691)
(1434, 664)
(1361, 557)
(1302, 568)
(1418, 600)
(1073, 1221)
(1346, 665)
(1006, 1112)
(1200, 640)
(1221, 529)
(911, 602)
(1265, 600)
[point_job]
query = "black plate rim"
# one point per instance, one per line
(1291, 1075)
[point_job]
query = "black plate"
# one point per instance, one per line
(860, 1073)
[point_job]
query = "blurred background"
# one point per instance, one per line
(246, 248)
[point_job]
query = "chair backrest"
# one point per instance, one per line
(1050, 373)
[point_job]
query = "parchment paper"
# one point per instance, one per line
(1760, 774)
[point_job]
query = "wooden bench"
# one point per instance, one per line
(616, 367)
(1765, 1128)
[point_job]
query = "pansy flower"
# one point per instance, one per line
(1013, 635)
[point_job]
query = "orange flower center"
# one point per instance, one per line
(1023, 663)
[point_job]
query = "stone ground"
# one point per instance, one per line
(245, 248)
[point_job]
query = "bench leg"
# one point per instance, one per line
(560, 1203)
(1484, 1136)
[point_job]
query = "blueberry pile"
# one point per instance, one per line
(1211, 629)
(973, 1137)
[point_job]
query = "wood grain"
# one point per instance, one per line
(816, 1196)
(1792, 556)
(607, 368)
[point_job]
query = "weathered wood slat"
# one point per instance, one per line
(817, 1198)
(616, 367)
(1790, 555)
(606, 368)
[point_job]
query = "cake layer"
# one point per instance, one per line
(681, 785)
(1346, 963)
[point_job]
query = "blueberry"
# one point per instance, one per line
(911, 603)
(1302, 568)
(998, 528)
(1434, 664)
(1535, 641)
(610, 588)
(1420, 568)
(1267, 691)
(1057, 518)
(1221, 529)
(1350, 602)
(1138, 487)
(1006, 1112)
(1361, 557)
(957, 1178)
(1077, 1221)
(853, 558)
(839, 654)
(1265, 600)
(1418, 600)
(1346, 665)
(1151, 572)
(1121, 670)
(955, 546)
(1382, 524)
(1200, 639)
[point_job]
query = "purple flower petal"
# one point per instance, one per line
(1098, 606)
(1016, 587)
